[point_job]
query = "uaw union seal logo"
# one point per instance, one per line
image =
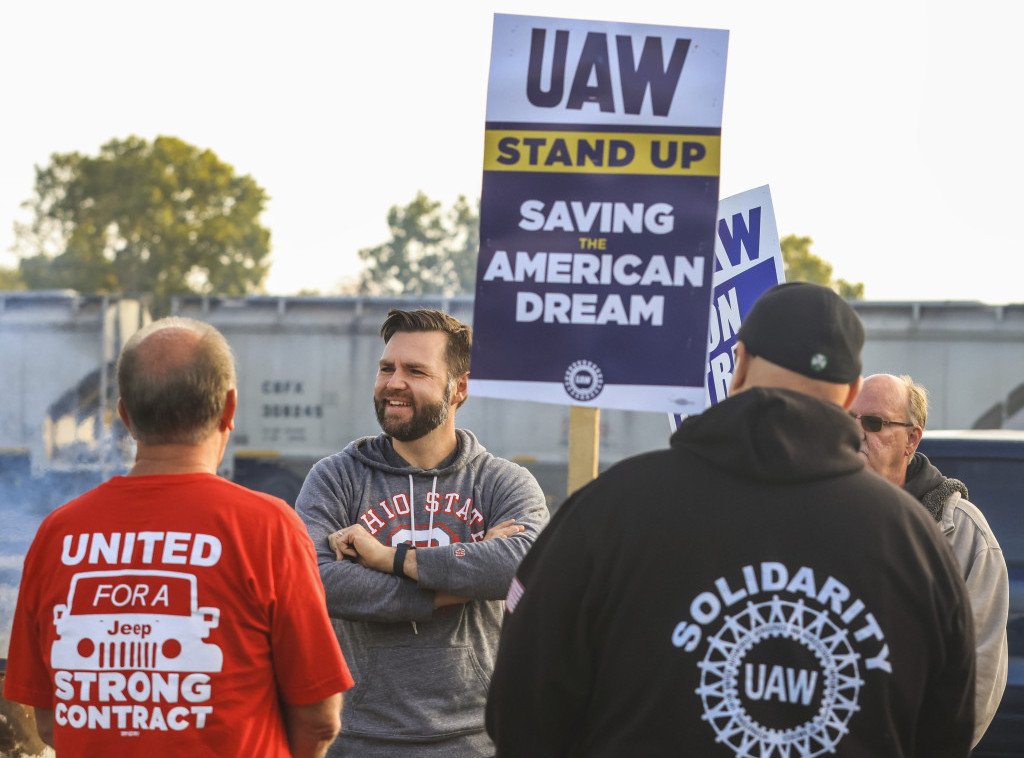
(583, 380)
(818, 694)
(782, 672)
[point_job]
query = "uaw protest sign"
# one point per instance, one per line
(748, 261)
(598, 209)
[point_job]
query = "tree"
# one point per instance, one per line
(801, 265)
(432, 250)
(10, 279)
(164, 218)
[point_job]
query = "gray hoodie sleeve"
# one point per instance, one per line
(484, 570)
(353, 592)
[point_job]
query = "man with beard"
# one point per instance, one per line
(419, 532)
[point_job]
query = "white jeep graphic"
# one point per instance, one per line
(134, 620)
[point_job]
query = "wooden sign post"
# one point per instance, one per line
(584, 441)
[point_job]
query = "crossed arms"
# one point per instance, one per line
(357, 543)
(365, 587)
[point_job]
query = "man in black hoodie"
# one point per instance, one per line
(893, 411)
(752, 591)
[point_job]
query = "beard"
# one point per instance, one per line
(425, 418)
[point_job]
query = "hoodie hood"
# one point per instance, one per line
(379, 453)
(774, 435)
(927, 484)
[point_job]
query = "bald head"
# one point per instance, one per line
(899, 393)
(174, 376)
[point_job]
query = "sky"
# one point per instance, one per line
(889, 132)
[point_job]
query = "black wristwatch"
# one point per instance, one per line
(399, 565)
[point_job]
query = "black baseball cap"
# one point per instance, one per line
(808, 329)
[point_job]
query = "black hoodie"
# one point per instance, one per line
(752, 591)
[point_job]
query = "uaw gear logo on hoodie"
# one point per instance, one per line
(785, 652)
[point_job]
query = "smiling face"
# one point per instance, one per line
(889, 450)
(413, 394)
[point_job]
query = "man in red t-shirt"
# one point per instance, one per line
(171, 612)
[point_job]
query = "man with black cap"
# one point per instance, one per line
(752, 591)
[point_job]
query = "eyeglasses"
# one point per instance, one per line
(876, 423)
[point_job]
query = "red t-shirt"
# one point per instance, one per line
(164, 615)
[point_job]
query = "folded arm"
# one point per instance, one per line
(483, 570)
(353, 591)
(357, 543)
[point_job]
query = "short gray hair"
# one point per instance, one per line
(917, 400)
(180, 403)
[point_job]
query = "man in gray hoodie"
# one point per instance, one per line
(419, 532)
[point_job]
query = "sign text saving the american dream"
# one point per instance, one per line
(594, 269)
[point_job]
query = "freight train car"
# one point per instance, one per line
(306, 368)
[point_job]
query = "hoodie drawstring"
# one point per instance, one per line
(412, 512)
(412, 526)
(412, 517)
(430, 531)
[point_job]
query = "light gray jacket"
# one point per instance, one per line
(984, 570)
(421, 675)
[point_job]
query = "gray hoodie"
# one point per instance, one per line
(421, 675)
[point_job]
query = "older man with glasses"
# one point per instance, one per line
(892, 411)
